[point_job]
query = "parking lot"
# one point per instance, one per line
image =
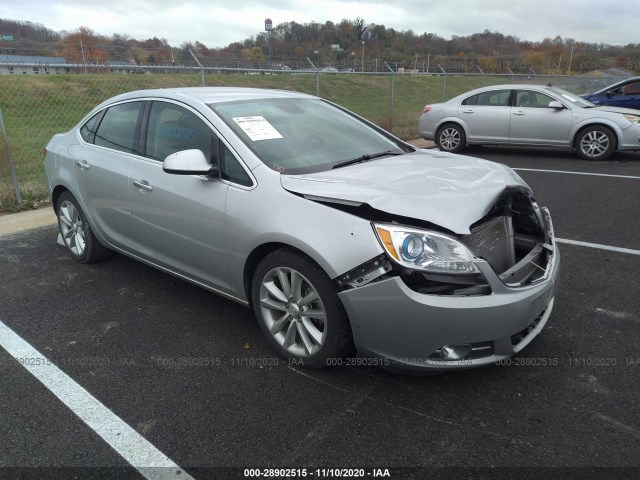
(187, 378)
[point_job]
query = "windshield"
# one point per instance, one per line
(572, 99)
(301, 136)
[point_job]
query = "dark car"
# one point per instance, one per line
(624, 94)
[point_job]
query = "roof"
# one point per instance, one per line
(30, 59)
(211, 94)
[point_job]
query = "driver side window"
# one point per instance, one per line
(631, 88)
(173, 128)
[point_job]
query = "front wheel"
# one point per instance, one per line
(451, 138)
(595, 143)
(298, 310)
(76, 232)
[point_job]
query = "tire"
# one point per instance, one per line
(595, 143)
(285, 286)
(76, 232)
(451, 138)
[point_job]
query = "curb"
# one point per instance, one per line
(19, 222)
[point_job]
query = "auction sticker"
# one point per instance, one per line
(257, 128)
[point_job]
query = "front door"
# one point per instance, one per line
(180, 219)
(533, 122)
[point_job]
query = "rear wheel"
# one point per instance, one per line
(76, 232)
(595, 143)
(451, 138)
(298, 310)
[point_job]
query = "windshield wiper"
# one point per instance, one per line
(366, 157)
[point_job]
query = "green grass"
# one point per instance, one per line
(36, 107)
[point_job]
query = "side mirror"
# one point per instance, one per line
(556, 104)
(609, 94)
(188, 162)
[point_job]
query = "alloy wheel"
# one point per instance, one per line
(293, 311)
(72, 228)
(449, 138)
(594, 143)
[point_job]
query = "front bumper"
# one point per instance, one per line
(391, 321)
(630, 140)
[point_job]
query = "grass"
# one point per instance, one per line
(36, 107)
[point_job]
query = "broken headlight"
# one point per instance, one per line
(633, 118)
(425, 250)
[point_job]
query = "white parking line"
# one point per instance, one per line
(147, 459)
(577, 173)
(599, 246)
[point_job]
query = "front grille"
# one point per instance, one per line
(493, 241)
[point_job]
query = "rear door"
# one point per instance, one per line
(487, 116)
(102, 170)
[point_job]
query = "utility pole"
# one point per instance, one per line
(570, 59)
(363, 56)
(268, 27)
(83, 60)
(200, 65)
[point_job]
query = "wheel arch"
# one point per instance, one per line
(55, 195)
(260, 252)
(452, 120)
(600, 123)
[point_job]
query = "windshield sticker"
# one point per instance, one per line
(257, 128)
(569, 98)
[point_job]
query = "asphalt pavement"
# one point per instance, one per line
(190, 372)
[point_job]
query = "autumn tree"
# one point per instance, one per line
(84, 46)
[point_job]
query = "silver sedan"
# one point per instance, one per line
(530, 115)
(337, 234)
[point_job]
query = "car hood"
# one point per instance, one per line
(448, 190)
(604, 108)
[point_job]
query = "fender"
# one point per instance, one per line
(593, 122)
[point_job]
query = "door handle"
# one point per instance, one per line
(83, 164)
(467, 111)
(519, 112)
(142, 185)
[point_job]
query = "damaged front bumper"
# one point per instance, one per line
(450, 332)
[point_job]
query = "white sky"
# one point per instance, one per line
(217, 24)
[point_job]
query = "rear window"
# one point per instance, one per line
(88, 130)
(117, 129)
(495, 98)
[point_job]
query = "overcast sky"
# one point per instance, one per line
(217, 24)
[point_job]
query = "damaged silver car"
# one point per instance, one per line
(337, 234)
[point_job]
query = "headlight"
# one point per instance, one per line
(425, 250)
(632, 118)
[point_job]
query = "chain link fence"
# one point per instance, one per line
(35, 107)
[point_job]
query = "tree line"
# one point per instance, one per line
(348, 44)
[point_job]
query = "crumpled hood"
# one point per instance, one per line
(448, 190)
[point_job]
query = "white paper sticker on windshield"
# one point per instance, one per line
(568, 97)
(257, 128)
